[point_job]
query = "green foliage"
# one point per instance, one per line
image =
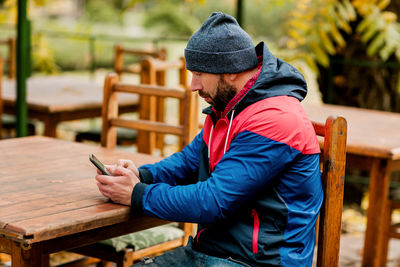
(321, 27)
(170, 20)
(316, 27)
(130, 4)
(42, 56)
(203, 11)
(381, 31)
(102, 11)
(265, 18)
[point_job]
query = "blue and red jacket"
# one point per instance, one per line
(250, 178)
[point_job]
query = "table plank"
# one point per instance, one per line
(49, 188)
(370, 132)
(54, 99)
(53, 94)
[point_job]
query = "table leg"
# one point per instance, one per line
(376, 215)
(50, 126)
(31, 256)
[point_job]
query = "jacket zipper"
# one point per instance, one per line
(256, 229)
(198, 235)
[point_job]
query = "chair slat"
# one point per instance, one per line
(150, 90)
(333, 158)
(150, 126)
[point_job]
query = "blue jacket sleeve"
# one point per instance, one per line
(250, 164)
(179, 168)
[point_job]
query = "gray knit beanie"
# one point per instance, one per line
(220, 46)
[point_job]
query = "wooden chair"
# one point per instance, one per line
(333, 161)
(153, 73)
(185, 129)
(12, 54)
(392, 229)
(121, 52)
(1, 99)
(9, 122)
(128, 137)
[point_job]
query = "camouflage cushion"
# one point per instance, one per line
(146, 238)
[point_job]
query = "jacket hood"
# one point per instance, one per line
(277, 78)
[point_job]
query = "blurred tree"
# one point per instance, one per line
(173, 17)
(42, 55)
(348, 43)
(104, 11)
(8, 9)
(265, 19)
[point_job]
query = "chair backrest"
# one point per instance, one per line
(1, 98)
(153, 71)
(12, 54)
(333, 161)
(120, 52)
(111, 120)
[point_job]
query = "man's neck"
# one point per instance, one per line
(243, 77)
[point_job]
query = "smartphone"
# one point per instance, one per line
(99, 165)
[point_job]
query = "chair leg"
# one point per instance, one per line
(386, 236)
(127, 260)
(80, 262)
(105, 264)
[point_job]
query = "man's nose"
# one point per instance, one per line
(195, 85)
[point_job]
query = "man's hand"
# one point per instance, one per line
(126, 163)
(120, 186)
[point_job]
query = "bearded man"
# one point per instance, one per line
(251, 177)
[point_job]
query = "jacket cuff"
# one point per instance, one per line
(137, 198)
(145, 176)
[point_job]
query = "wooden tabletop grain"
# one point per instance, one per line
(369, 132)
(53, 94)
(48, 188)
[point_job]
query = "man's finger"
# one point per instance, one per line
(103, 179)
(103, 190)
(121, 171)
(126, 163)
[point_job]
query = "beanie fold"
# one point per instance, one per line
(221, 62)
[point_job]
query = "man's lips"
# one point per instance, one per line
(203, 95)
(206, 97)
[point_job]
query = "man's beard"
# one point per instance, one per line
(224, 93)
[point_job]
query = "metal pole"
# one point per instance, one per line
(22, 62)
(239, 12)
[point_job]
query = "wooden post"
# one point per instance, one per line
(118, 60)
(109, 110)
(23, 40)
(146, 141)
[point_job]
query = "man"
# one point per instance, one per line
(251, 178)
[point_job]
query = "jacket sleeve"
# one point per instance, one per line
(179, 168)
(250, 164)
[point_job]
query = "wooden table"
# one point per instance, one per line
(49, 200)
(373, 144)
(53, 99)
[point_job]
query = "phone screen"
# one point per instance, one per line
(99, 165)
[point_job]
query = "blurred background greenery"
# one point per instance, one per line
(330, 41)
(62, 30)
